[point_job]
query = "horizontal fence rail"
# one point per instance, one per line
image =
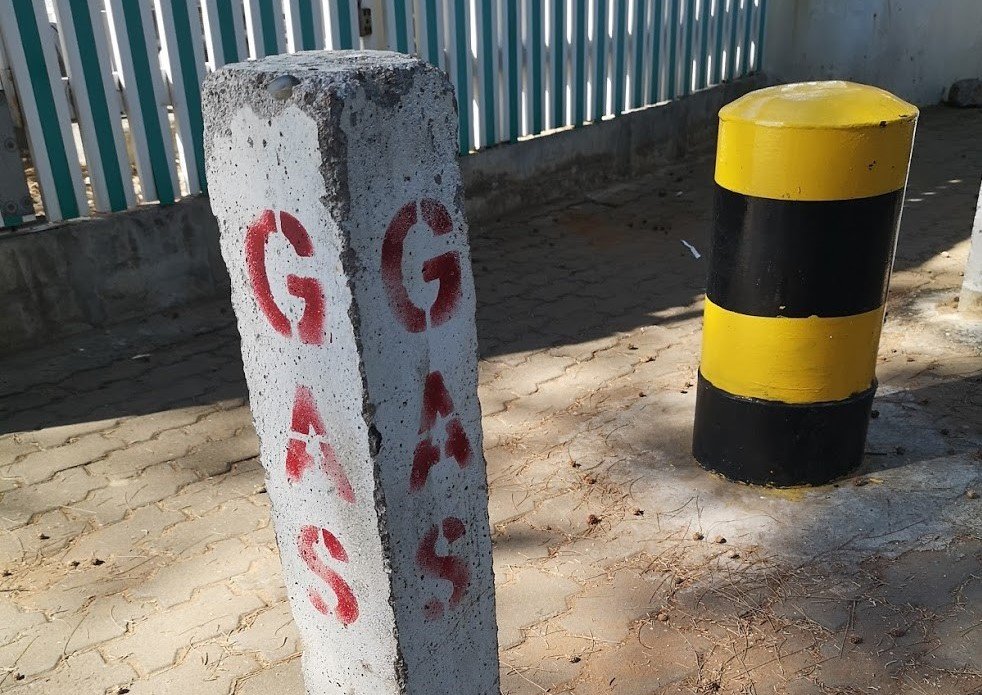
(107, 92)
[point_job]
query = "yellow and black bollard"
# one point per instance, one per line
(809, 187)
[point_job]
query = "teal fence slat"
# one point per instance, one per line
(226, 27)
(536, 94)
(704, 51)
(745, 52)
(718, 50)
(580, 37)
(463, 75)
(401, 28)
(673, 35)
(620, 42)
(308, 35)
(761, 19)
(432, 32)
(600, 59)
(690, 28)
(514, 69)
(637, 74)
(658, 9)
(344, 24)
(489, 84)
(558, 63)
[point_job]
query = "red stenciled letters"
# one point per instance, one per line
(306, 421)
(444, 268)
(448, 567)
(347, 610)
(310, 328)
(437, 401)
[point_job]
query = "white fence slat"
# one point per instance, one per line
(47, 117)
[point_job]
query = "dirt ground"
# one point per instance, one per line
(136, 553)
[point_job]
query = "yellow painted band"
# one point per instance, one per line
(815, 141)
(799, 360)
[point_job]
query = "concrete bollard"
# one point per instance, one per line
(970, 300)
(334, 178)
(810, 183)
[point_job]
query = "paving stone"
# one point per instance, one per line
(607, 609)
(265, 577)
(122, 537)
(271, 635)
(528, 598)
(52, 437)
(157, 482)
(243, 480)
(15, 621)
(98, 622)
(78, 673)
(64, 489)
(12, 447)
(142, 428)
(37, 650)
(537, 369)
(168, 445)
(236, 518)
(204, 670)
(49, 533)
(657, 658)
(156, 642)
(518, 545)
(215, 457)
(41, 465)
(170, 585)
(284, 678)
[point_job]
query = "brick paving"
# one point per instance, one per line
(137, 556)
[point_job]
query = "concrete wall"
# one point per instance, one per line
(913, 48)
(90, 273)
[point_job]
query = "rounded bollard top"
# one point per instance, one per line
(815, 141)
(833, 104)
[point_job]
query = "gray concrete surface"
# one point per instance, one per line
(92, 273)
(136, 554)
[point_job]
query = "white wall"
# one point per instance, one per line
(913, 48)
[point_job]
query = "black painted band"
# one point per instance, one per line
(798, 258)
(765, 442)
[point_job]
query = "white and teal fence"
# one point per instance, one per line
(108, 90)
